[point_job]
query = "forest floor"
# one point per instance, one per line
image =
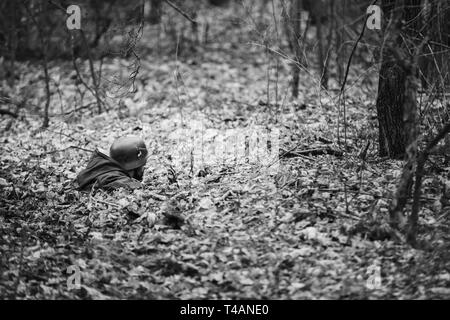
(315, 228)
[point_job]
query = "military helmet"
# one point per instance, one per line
(129, 151)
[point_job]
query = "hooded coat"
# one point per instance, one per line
(105, 173)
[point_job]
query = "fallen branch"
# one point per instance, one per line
(324, 140)
(69, 147)
(115, 205)
(156, 196)
(369, 194)
(8, 113)
(74, 110)
(313, 152)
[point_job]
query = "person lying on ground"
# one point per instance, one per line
(121, 167)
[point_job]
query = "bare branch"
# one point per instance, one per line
(184, 14)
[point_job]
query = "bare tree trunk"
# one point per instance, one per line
(13, 41)
(325, 75)
(155, 11)
(317, 12)
(392, 140)
(47, 87)
(391, 96)
(297, 14)
(411, 128)
(397, 110)
(340, 40)
(391, 89)
(95, 80)
(45, 45)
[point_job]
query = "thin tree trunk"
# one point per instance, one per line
(391, 96)
(421, 159)
(13, 41)
(390, 99)
(317, 9)
(296, 10)
(95, 80)
(47, 86)
(332, 21)
(391, 89)
(340, 40)
(155, 11)
(411, 128)
(397, 111)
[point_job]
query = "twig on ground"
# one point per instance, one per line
(312, 152)
(107, 203)
(86, 106)
(156, 196)
(8, 113)
(69, 147)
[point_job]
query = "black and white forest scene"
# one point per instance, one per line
(224, 150)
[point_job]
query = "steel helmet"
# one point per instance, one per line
(129, 151)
